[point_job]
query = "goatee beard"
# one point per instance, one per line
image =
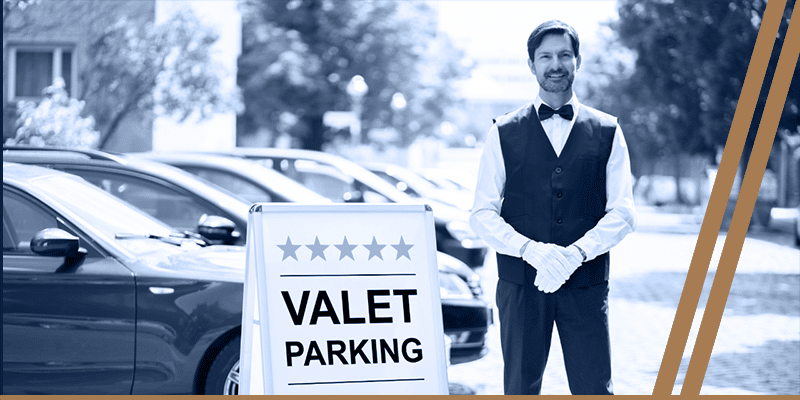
(556, 87)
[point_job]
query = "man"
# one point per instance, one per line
(553, 197)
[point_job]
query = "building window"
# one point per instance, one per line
(33, 68)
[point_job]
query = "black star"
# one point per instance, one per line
(317, 250)
(346, 249)
(374, 249)
(402, 249)
(289, 249)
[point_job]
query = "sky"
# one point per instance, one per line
(494, 35)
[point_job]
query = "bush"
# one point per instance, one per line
(55, 121)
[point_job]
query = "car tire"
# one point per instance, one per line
(223, 376)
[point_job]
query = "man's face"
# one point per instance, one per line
(554, 63)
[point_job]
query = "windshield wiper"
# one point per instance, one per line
(196, 237)
(173, 238)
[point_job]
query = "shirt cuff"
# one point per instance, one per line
(518, 241)
(587, 247)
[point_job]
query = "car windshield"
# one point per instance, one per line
(102, 211)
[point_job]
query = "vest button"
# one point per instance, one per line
(559, 220)
(558, 170)
(559, 195)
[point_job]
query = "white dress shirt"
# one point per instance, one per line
(620, 217)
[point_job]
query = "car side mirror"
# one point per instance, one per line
(54, 242)
(217, 229)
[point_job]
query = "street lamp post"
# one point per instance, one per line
(357, 88)
(398, 104)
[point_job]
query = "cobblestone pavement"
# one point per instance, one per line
(757, 349)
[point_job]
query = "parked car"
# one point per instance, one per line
(249, 180)
(169, 194)
(100, 298)
(418, 186)
(343, 180)
(466, 316)
(233, 173)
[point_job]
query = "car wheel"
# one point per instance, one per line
(223, 376)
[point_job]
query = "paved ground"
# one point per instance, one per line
(757, 349)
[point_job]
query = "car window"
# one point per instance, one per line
(177, 209)
(329, 186)
(9, 238)
(23, 218)
(232, 183)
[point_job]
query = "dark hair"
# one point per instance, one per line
(553, 26)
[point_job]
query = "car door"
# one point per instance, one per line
(67, 332)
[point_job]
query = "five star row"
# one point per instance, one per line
(345, 249)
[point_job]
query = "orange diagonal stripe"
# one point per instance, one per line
(741, 215)
(723, 182)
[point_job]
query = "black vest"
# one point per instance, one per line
(554, 199)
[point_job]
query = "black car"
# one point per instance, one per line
(343, 180)
(417, 185)
(145, 183)
(171, 195)
(95, 304)
(251, 181)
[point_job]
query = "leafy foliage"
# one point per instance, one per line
(166, 68)
(55, 121)
(692, 57)
(12, 7)
(298, 57)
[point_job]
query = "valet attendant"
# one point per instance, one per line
(553, 197)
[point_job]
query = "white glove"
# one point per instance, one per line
(574, 260)
(546, 285)
(549, 262)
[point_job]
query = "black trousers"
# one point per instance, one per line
(527, 316)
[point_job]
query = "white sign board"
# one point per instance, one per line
(342, 299)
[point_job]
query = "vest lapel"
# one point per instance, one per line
(581, 128)
(537, 131)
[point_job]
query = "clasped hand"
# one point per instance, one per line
(554, 264)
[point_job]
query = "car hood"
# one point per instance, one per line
(212, 263)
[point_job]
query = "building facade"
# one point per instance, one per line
(50, 39)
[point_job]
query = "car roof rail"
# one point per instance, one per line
(91, 153)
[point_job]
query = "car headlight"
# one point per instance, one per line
(451, 286)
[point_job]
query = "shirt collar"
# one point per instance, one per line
(573, 101)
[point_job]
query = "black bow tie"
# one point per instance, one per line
(546, 112)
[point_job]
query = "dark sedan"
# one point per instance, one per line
(176, 197)
(99, 305)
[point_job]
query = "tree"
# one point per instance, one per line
(691, 63)
(12, 8)
(55, 121)
(165, 68)
(691, 60)
(298, 56)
